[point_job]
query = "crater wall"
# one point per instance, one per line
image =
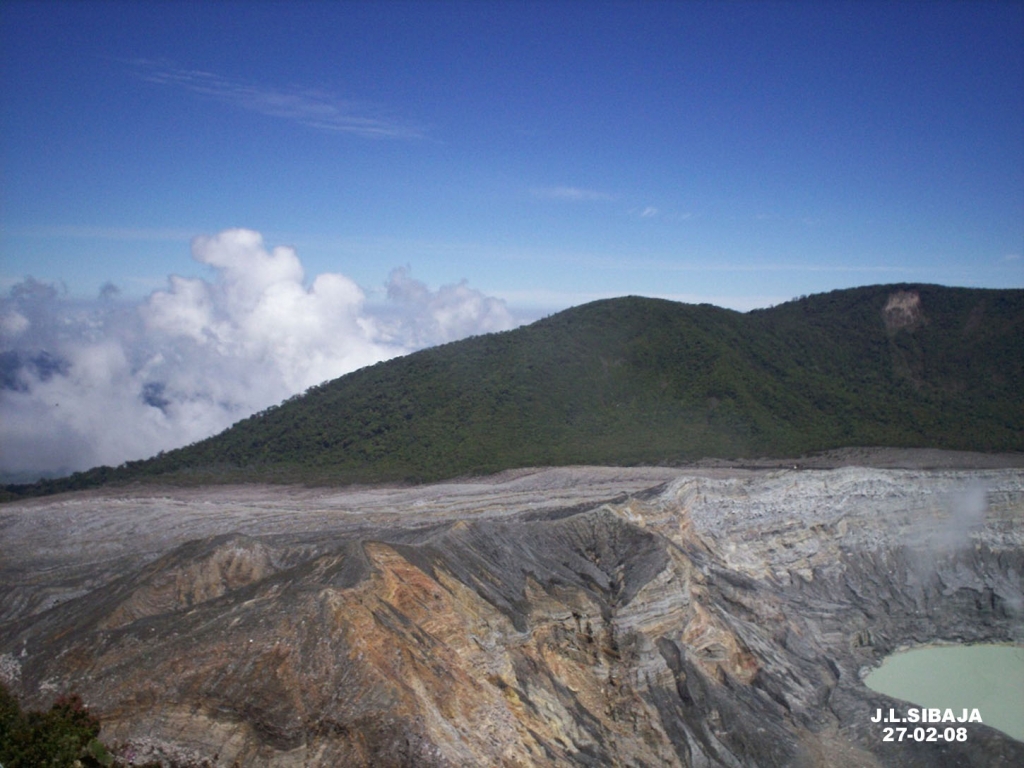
(577, 617)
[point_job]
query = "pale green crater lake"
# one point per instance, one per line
(989, 678)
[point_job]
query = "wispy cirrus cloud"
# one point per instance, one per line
(315, 108)
(571, 194)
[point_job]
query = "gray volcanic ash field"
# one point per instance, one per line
(713, 616)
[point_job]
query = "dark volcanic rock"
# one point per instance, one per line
(724, 618)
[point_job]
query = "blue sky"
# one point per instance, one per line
(206, 208)
(548, 153)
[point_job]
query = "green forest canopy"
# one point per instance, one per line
(643, 381)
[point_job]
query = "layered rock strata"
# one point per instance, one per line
(576, 617)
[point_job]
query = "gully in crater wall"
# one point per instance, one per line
(567, 617)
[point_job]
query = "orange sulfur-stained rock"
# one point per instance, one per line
(585, 617)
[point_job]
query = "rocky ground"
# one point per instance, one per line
(717, 615)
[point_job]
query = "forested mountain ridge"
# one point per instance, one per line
(645, 381)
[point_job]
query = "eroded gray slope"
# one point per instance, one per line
(569, 617)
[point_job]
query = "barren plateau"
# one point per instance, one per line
(713, 615)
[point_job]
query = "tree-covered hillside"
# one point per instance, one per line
(635, 380)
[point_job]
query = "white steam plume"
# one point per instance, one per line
(90, 383)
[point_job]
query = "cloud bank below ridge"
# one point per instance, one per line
(90, 383)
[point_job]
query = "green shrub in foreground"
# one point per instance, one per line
(63, 737)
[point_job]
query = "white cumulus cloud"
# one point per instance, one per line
(452, 312)
(89, 383)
